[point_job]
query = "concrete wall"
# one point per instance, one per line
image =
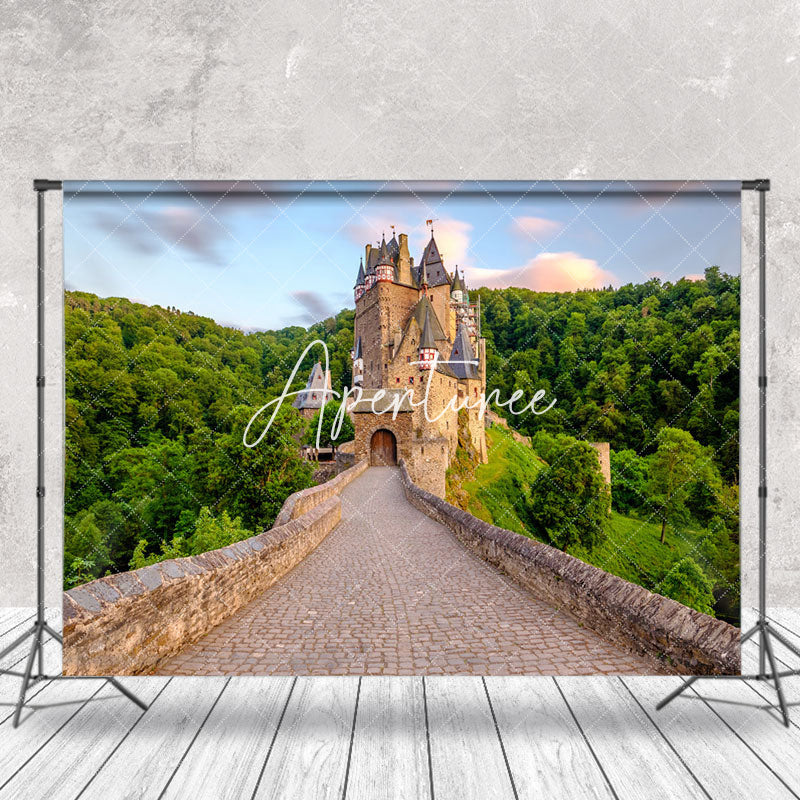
(689, 642)
(506, 90)
(126, 624)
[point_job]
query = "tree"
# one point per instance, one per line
(629, 479)
(687, 583)
(326, 439)
(676, 466)
(569, 501)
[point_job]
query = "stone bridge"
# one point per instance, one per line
(403, 584)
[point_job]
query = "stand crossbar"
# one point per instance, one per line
(765, 631)
(40, 628)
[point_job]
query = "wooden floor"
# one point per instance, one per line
(401, 738)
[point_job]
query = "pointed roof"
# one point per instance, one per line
(357, 350)
(423, 311)
(457, 285)
(426, 340)
(383, 253)
(360, 278)
(314, 396)
(393, 246)
(431, 265)
(462, 351)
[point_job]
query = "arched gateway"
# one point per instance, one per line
(383, 449)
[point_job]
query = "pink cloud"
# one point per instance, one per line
(695, 277)
(548, 272)
(533, 228)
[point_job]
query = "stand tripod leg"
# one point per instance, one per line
(682, 688)
(775, 676)
(130, 695)
(16, 643)
(26, 678)
(792, 648)
(56, 636)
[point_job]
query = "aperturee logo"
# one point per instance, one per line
(395, 400)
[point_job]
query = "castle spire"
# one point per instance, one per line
(427, 345)
(360, 287)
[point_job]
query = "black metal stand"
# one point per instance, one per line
(762, 627)
(40, 628)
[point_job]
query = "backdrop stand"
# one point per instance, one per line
(762, 627)
(40, 628)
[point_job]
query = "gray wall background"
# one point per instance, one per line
(403, 90)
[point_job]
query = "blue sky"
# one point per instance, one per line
(269, 254)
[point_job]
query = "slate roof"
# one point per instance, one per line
(360, 279)
(313, 395)
(462, 351)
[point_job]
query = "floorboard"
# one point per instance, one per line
(699, 735)
(225, 760)
(67, 760)
(467, 755)
(547, 753)
(637, 759)
(310, 755)
(389, 758)
(143, 762)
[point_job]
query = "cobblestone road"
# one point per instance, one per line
(392, 592)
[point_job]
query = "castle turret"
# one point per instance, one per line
(457, 289)
(384, 269)
(358, 364)
(360, 286)
(427, 345)
(369, 272)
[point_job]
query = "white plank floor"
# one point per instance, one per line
(375, 738)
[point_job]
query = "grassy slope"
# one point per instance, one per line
(632, 550)
(492, 494)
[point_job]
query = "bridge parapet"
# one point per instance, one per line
(128, 623)
(686, 641)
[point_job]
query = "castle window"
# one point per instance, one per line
(397, 379)
(408, 359)
(313, 397)
(411, 379)
(423, 451)
(386, 366)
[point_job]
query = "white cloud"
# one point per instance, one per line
(548, 272)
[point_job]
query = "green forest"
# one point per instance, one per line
(157, 399)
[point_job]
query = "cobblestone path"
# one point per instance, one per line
(392, 592)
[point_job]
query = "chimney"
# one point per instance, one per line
(404, 261)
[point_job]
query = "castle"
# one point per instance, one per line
(407, 316)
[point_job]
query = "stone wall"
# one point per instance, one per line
(687, 641)
(126, 624)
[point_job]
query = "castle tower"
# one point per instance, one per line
(360, 286)
(384, 269)
(316, 393)
(406, 319)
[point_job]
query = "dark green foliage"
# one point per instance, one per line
(156, 404)
(687, 583)
(629, 479)
(346, 432)
(569, 501)
(624, 363)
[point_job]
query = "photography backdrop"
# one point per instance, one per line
(649, 94)
(559, 360)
